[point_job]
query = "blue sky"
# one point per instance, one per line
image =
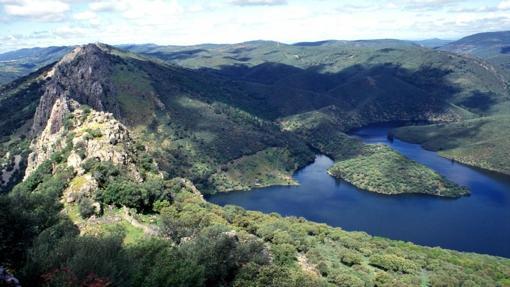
(29, 23)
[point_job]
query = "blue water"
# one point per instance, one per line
(476, 223)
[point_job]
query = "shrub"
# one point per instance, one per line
(393, 263)
(347, 280)
(86, 207)
(283, 254)
(92, 133)
(141, 196)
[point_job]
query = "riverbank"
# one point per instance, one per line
(380, 169)
(477, 223)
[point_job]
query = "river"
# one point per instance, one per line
(476, 223)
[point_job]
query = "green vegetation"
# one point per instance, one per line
(382, 170)
(19, 63)
(135, 94)
(491, 46)
(225, 127)
(86, 207)
(208, 245)
(481, 142)
(373, 168)
(272, 166)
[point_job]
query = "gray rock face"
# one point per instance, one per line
(82, 75)
(111, 140)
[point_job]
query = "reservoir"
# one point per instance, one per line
(476, 223)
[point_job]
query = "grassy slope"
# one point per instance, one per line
(183, 118)
(205, 121)
(338, 256)
(272, 166)
(334, 253)
(382, 170)
(480, 142)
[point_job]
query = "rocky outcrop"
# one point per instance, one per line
(92, 135)
(51, 139)
(82, 75)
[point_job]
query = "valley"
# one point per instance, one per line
(150, 153)
(460, 224)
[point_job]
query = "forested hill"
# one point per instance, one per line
(117, 149)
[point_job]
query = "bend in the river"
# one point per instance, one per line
(477, 223)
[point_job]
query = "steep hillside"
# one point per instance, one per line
(183, 117)
(354, 75)
(95, 210)
(348, 84)
(211, 122)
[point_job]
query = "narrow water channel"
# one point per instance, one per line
(477, 223)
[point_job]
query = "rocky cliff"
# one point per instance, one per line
(81, 75)
(88, 134)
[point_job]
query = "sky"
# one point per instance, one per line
(30, 23)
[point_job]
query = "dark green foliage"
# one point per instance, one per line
(221, 254)
(196, 123)
(214, 258)
(76, 259)
(103, 172)
(85, 207)
(284, 254)
(30, 208)
(18, 102)
(124, 192)
(157, 263)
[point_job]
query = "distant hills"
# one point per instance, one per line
(21, 62)
(301, 87)
(433, 43)
(491, 46)
(483, 45)
(120, 144)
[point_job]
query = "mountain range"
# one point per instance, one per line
(97, 139)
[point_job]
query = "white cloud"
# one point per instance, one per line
(428, 5)
(48, 10)
(504, 5)
(190, 22)
(108, 6)
(258, 2)
(156, 11)
(153, 10)
(85, 15)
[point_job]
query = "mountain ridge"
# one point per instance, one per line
(123, 145)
